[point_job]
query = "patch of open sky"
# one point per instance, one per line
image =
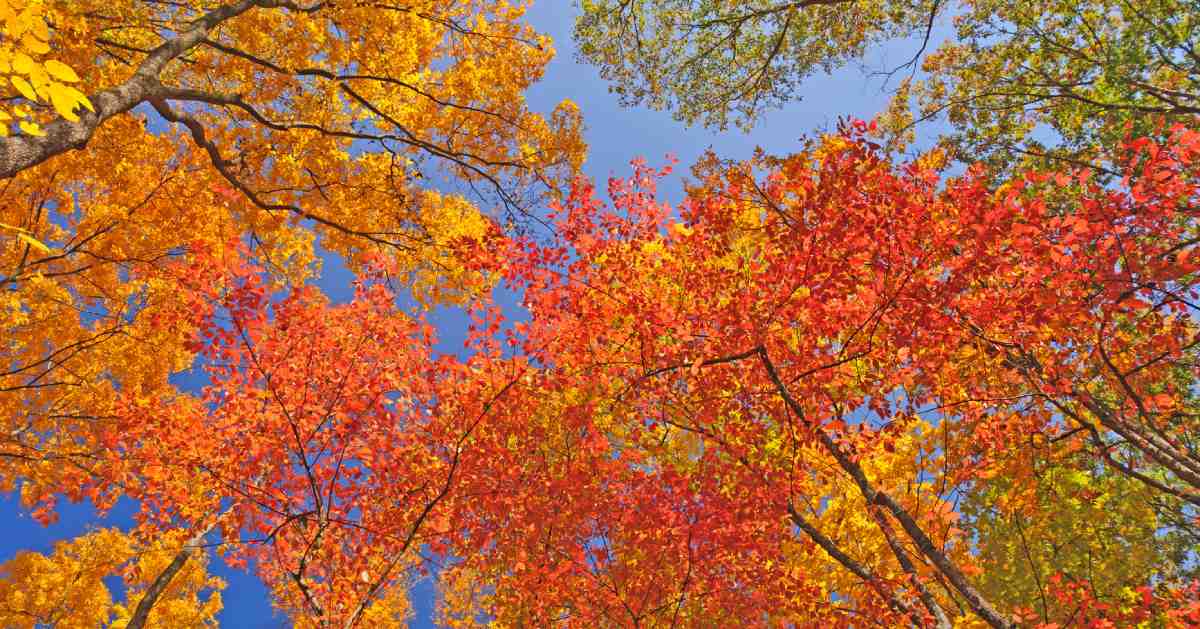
(617, 134)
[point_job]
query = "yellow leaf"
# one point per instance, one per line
(22, 63)
(61, 71)
(32, 128)
(65, 98)
(41, 29)
(24, 88)
(35, 243)
(38, 78)
(681, 229)
(17, 26)
(34, 45)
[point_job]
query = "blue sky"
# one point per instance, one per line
(615, 136)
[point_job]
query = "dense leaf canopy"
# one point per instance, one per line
(832, 388)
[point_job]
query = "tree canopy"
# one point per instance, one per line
(1030, 84)
(1020, 82)
(718, 62)
(836, 387)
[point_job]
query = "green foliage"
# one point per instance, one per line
(1072, 522)
(716, 61)
(1057, 80)
(1022, 83)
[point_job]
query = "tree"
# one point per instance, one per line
(720, 62)
(27, 35)
(766, 435)
(96, 201)
(1058, 522)
(1022, 84)
(67, 587)
(325, 448)
(144, 136)
(1029, 84)
(682, 437)
(828, 390)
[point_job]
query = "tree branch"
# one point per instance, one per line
(975, 599)
(18, 152)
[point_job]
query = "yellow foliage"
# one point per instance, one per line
(440, 90)
(66, 589)
(437, 272)
(24, 45)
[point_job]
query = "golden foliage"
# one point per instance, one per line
(67, 587)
